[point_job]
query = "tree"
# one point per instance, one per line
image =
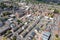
(2, 5)
(11, 7)
(8, 32)
(56, 35)
(19, 21)
(6, 13)
(49, 8)
(58, 3)
(4, 38)
(56, 11)
(14, 38)
(6, 18)
(51, 15)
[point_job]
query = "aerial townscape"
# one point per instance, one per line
(29, 19)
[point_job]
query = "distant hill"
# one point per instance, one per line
(44, 1)
(47, 1)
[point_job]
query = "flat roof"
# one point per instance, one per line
(2, 29)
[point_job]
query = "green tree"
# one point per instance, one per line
(58, 3)
(19, 21)
(14, 38)
(56, 35)
(8, 32)
(2, 5)
(4, 38)
(6, 13)
(56, 11)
